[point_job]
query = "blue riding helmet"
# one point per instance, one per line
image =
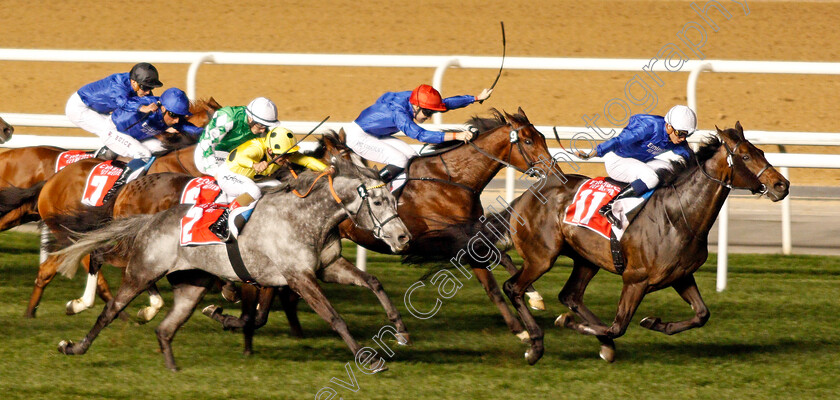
(175, 100)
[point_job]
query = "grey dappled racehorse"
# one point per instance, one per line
(290, 240)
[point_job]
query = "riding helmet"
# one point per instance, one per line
(176, 101)
(425, 96)
(145, 74)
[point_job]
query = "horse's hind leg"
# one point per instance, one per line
(46, 272)
(534, 297)
(487, 280)
(344, 272)
(188, 287)
(289, 300)
(572, 296)
(304, 283)
(256, 305)
(155, 304)
(687, 289)
(95, 284)
(130, 288)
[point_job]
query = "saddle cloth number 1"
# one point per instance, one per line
(590, 197)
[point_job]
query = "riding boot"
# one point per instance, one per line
(240, 211)
(133, 170)
(104, 153)
(220, 227)
(634, 189)
(389, 172)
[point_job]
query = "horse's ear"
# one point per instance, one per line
(718, 129)
(342, 136)
(522, 113)
(739, 128)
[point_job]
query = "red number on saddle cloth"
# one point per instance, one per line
(590, 197)
(194, 225)
(69, 157)
(200, 191)
(99, 182)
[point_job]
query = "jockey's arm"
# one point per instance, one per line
(206, 146)
(308, 162)
(406, 124)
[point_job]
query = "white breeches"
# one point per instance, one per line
(630, 169)
(384, 150)
(102, 126)
(233, 184)
(209, 165)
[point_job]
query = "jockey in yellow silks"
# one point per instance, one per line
(249, 161)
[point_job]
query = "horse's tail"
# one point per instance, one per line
(13, 197)
(120, 234)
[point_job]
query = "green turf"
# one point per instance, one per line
(773, 334)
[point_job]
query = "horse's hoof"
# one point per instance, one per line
(230, 293)
(74, 307)
(146, 314)
(564, 320)
(650, 322)
(403, 339)
(65, 346)
(211, 309)
(524, 337)
(532, 356)
(607, 352)
(382, 368)
(536, 301)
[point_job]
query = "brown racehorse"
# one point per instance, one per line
(443, 189)
(24, 170)
(663, 248)
(62, 195)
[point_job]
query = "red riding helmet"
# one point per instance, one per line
(427, 97)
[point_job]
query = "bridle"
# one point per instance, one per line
(514, 139)
(763, 190)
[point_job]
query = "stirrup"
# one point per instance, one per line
(607, 212)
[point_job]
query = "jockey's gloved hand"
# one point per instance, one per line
(584, 156)
(484, 95)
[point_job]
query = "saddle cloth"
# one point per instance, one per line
(100, 182)
(201, 192)
(594, 194)
(69, 157)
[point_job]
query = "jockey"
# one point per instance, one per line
(230, 127)
(629, 157)
(249, 161)
(91, 105)
(140, 119)
(370, 135)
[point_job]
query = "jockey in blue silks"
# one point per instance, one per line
(371, 134)
(167, 113)
(629, 157)
(90, 107)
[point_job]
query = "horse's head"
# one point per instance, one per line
(202, 111)
(372, 207)
(6, 131)
(750, 169)
(332, 144)
(519, 144)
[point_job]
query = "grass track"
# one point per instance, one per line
(774, 334)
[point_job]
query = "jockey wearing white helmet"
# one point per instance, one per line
(629, 157)
(230, 127)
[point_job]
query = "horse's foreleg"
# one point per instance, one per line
(188, 287)
(289, 300)
(46, 272)
(687, 289)
(487, 280)
(344, 272)
(534, 297)
(95, 283)
(304, 283)
(256, 304)
(515, 288)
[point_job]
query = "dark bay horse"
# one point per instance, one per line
(443, 189)
(62, 193)
(290, 240)
(24, 170)
(663, 248)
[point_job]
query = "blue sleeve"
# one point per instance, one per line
(683, 151)
(190, 129)
(458, 101)
(406, 124)
(635, 132)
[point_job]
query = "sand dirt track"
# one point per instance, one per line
(773, 30)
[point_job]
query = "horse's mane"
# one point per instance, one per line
(482, 125)
(330, 138)
(707, 150)
(306, 178)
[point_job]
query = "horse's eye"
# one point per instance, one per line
(377, 203)
(528, 141)
(745, 157)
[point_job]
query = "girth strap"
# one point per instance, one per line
(617, 254)
(235, 258)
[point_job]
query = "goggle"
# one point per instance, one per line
(428, 113)
(173, 115)
(681, 134)
(145, 88)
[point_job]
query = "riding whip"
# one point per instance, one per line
(504, 47)
(296, 143)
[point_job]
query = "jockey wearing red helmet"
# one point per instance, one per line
(370, 135)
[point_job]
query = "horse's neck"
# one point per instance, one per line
(698, 194)
(473, 168)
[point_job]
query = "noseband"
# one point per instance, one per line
(731, 162)
(378, 225)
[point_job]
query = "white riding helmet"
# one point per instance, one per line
(682, 118)
(262, 111)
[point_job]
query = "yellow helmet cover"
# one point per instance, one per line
(280, 140)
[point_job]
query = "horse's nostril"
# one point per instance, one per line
(403, 238)
(780, 186)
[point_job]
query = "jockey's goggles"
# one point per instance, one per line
(682, 134)
(428, 113)
(173, 115)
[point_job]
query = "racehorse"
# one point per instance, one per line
(6, 131)
(24, 170)
(290, 240)
(443, 189)
(62, 195)
(663, 248)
